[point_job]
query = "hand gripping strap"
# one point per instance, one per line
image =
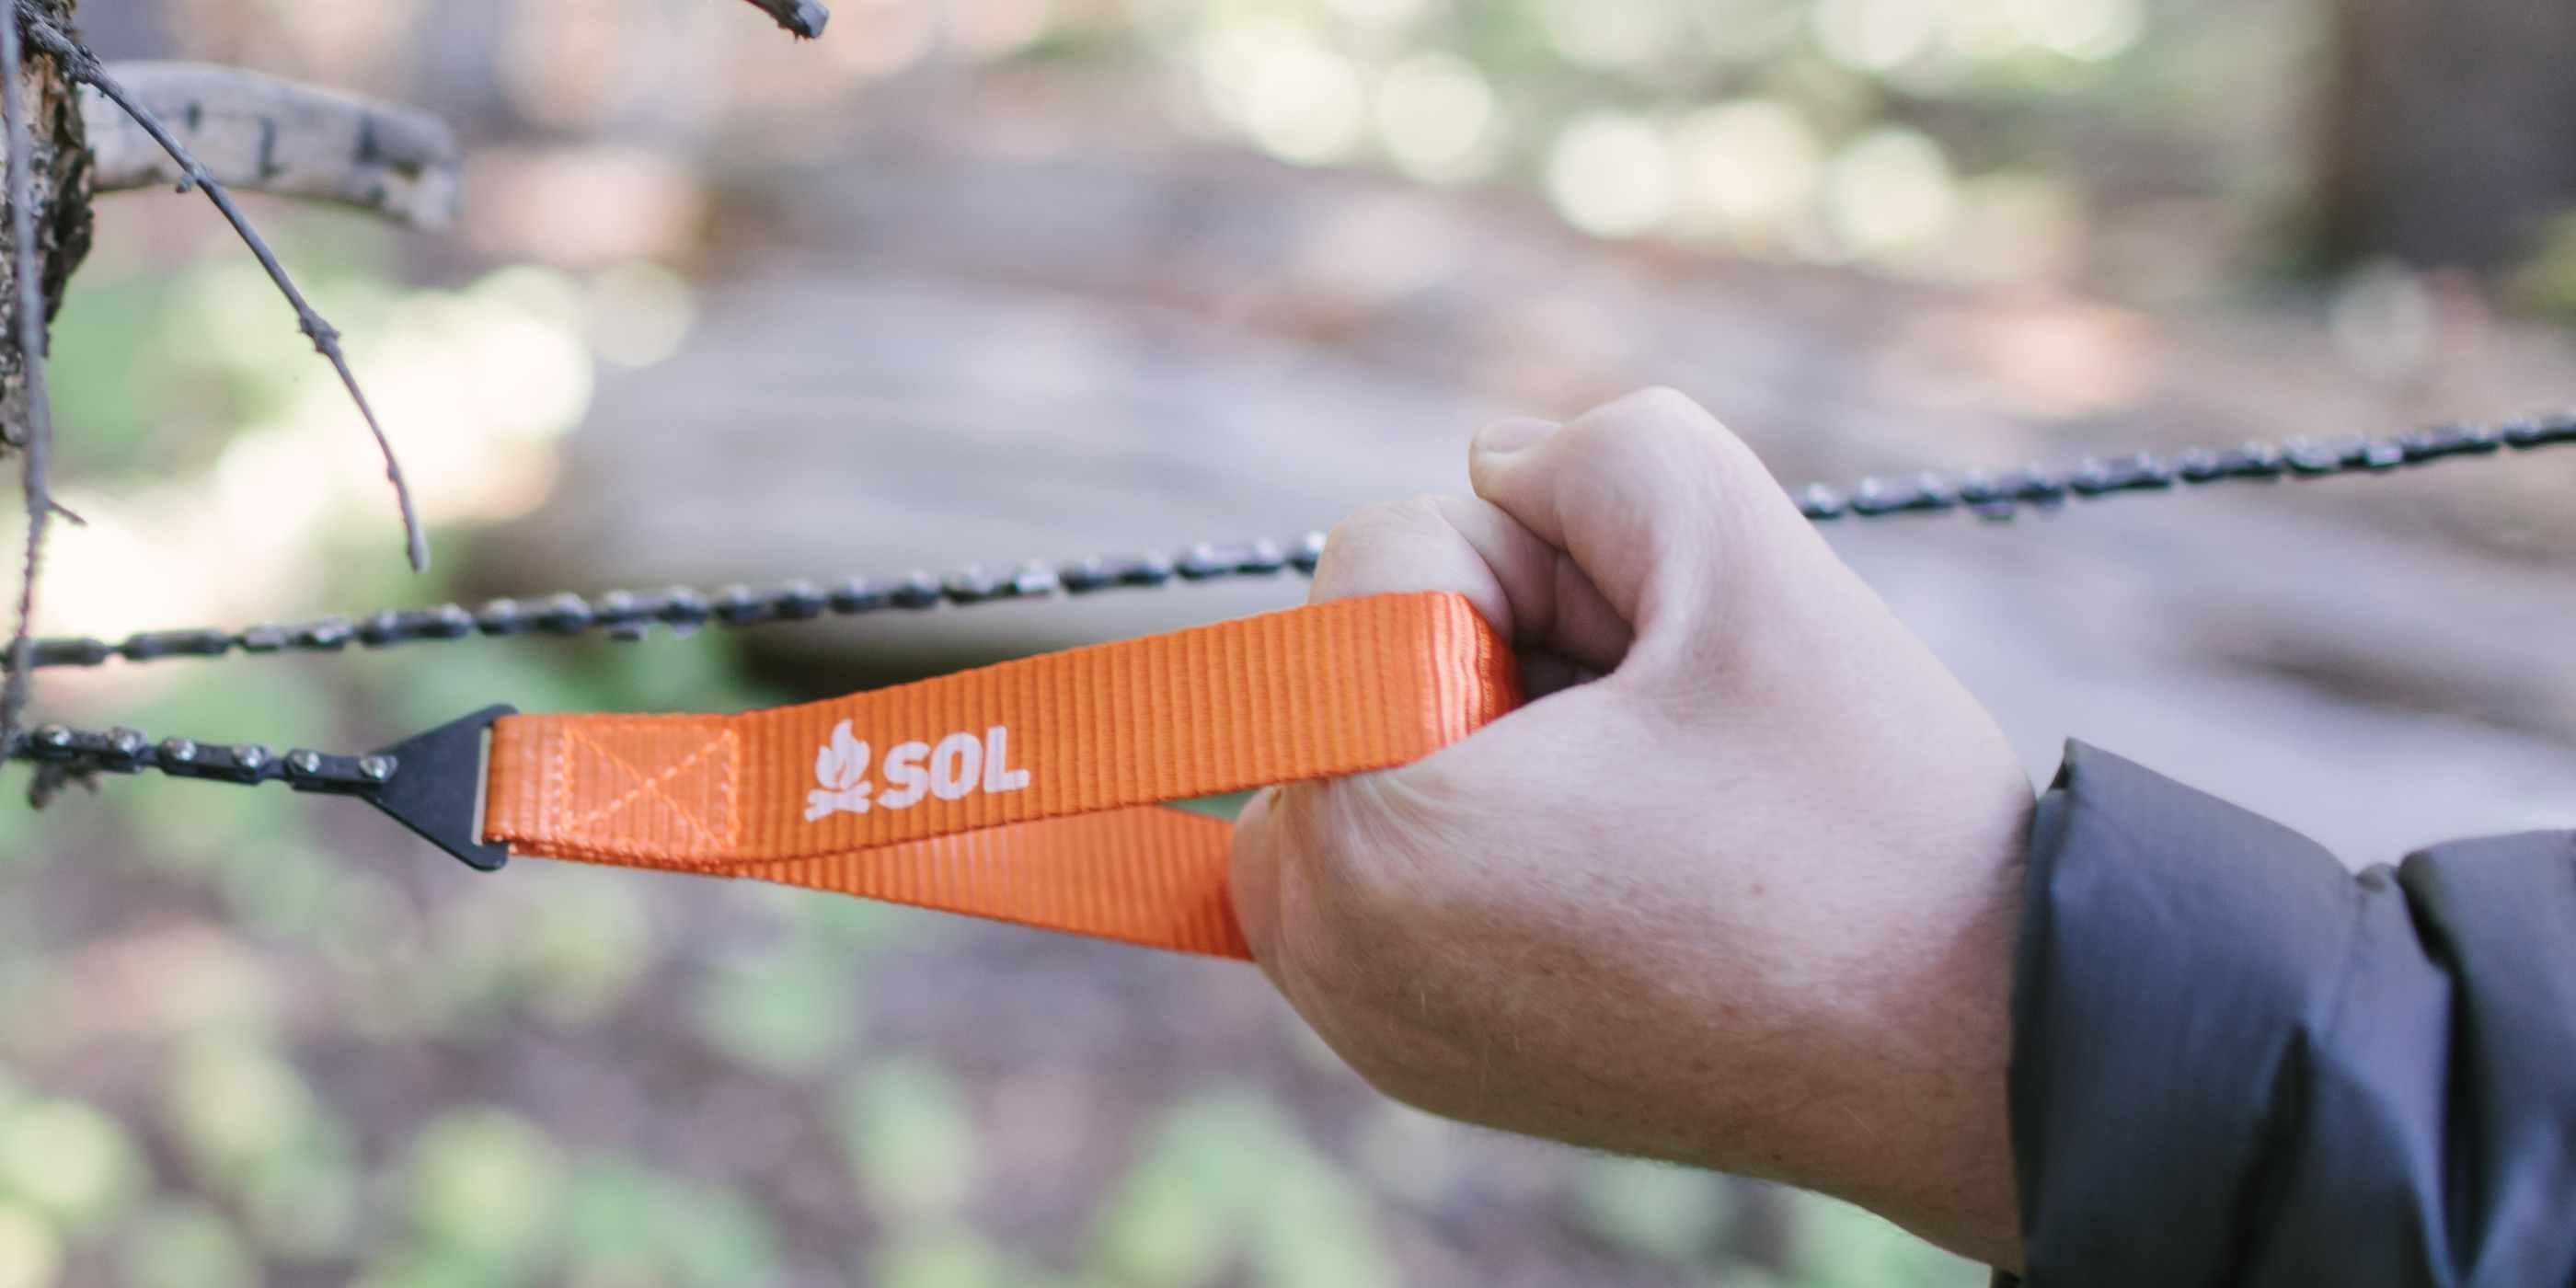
(1026, 791)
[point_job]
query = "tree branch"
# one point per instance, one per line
(255, 133)
(79, 64)
(803, 17)
(29, 319)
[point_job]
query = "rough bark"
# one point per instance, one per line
(258, 134)
(2448, 129)
(61, 172)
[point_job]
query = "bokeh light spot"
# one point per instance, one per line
(1436, 116)
(1611, 175)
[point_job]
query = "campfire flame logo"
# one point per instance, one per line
(842, 769)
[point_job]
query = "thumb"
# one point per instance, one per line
(1253, 878)
(1652, 498)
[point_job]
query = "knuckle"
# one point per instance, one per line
(1661, 433)
(1659, 409)
(1371, 525)
(1662, 403)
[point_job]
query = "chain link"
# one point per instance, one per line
(628, 615)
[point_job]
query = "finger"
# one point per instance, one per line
(1530, 591)
(1252, 879)
(1652, 498)
(1403, 547)
(1556, 610)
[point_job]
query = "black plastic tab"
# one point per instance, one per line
(434, 786)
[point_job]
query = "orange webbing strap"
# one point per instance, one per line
(1025, 791)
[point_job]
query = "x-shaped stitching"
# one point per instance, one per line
(644, 785)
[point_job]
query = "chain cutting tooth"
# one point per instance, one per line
(501, 617)
(738, 605)
(149, 646)
(852, 595)
(449, 622)
(1082, 576)
(71, 651)
(620, 608)
(564, 614)
(2447, 440)
(1152, 568)
(2541, 431)
(1308, 554)
(684, 609)
(918, 590)
(797, 600)
(1201, 562)
(324, 635)
(972, 585)
(1035, 580)
(381, 628)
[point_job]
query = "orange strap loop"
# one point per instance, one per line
(1025, 792)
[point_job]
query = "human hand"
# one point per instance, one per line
(1738, 887)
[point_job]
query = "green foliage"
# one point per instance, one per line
(583, 943)
(1836, 1245)
(31, 1253)
(785, 1011)
(428, 1267)
(1226, 806)
(944, 1258)
(1653, 1210)
(233, 1103)
(69, 1161)
(911, 1140)
(185, 1244)
(1225, 1179)
(624, 1224)
(302, 1204)
(2546, 282)
(484, 1186)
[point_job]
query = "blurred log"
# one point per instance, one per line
(2448, 131)
(256, 133)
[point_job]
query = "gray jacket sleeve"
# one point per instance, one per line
(2236, 1063)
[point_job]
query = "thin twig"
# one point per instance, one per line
(803, 17)
(81, 65)
(30, 325)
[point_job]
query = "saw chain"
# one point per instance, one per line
(63, 752)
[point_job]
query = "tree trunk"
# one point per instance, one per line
(60, 171)
(2452, 129)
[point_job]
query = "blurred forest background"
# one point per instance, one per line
(986, 280)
